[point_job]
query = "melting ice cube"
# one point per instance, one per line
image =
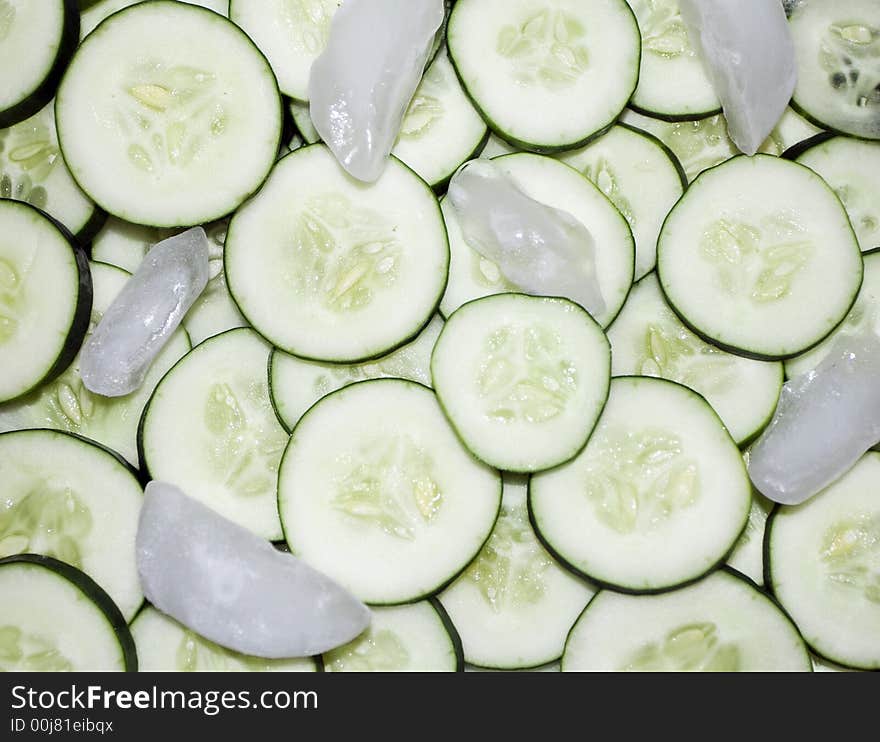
(118, 355)
(362, 84)
(540, 249)
(750, 56)
(234, 588)
(825, 421)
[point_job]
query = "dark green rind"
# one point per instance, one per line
(568, 456)
(673, 158)
(538, 147)
(445, 583)
(796, 150)
(275, 409)
(746, 352)
(454, 636)
(442, 184)
(770, 590)
(44, 92)
(94, 593)
(825, 125)
(241, 199)
(629, 589)
(735, 574)
(79, 325)
(673, 118)
(435, 308)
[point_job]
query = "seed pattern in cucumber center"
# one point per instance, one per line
(13, 280)
(637, 480)
(759, 261)
(671, 351)
(21, 651)
(863, 213)
(7, 18)
(308, 23)
(170, 113)
(691, 648)
(29, 154)
(602, 175)
(49, 520)
(375, 651)
(389, 484)
(525, 376)
(244, 451)
(546, 48)
(850, 55)
(426, 108)
(663, 30)
(197, 654)
(850, 555)
(510, 570)
(343, 255)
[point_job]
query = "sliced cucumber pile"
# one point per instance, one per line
(506, 480)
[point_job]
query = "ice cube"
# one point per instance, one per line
(825, 421)
(539, 249)
(361, 85)
(749, 53)
(116, 358)
(234, 588)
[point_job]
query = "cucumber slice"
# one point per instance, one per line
(673, 82)
(296, 384)
(759, 257)
(65, 497)
(406, 638)
(850, 167)
(376, 491)
(546, 78)
(514, 605)
(721, 624)
(164, 645)
(56, 619)
(32, 170)
(209, 428)
(648, 339)
(291, 33)
(657, 498)
(703, 144)
(338, 271)
(863, 315)
(522, 379)
(45, 299)
(65, 404)
(640, 176)
(154, 124)
(92, 16)
(441, 129)
(748, 554)
(299, 111)
(36, 43)
(496, 147)
(823, 564)
(549, 181)
(838, 54)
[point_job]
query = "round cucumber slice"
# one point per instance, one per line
(57, 619)
(723, 623)
(165, 646)
(522, 379)
(547, 78)
(45, 299)
(823, 564)
(160, 129)
(546, 179)
(760, 258)
(376, 491)
(657, 498)
(210, 429)
(339, 271)
(407, 638)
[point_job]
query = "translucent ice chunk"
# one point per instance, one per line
(234, 588)
(362, 84)
(148, 310)
(749, 53)
(825, 421)
(540, 249)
